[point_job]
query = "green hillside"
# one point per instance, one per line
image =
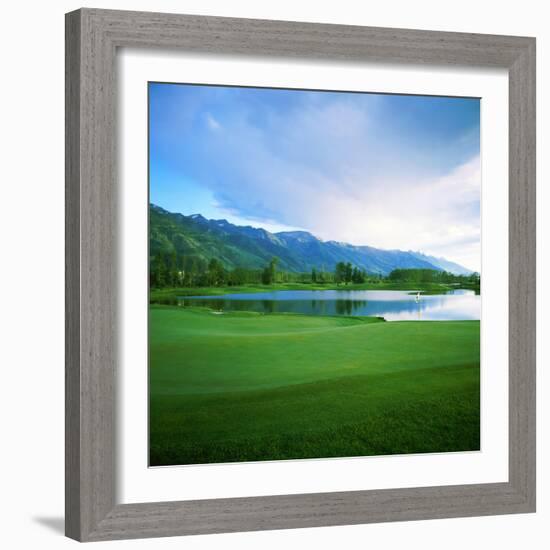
(252, 248)
(186, 237)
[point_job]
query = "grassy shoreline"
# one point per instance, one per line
(170, 295)
(248, 314)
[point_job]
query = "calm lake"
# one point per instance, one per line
(393, 305)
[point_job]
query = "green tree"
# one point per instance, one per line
(358, 276)
(174, 273)
(269, 273)
(216, 272)
(313, 275)
(340, 273)
(191, 270)
(348, 273)
(158, 271)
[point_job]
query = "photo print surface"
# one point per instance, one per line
(314, 274)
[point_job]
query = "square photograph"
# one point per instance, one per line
(314, 274)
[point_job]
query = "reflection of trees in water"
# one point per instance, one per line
(316, 307)
(343, 307)
(455, 305)
(319, 307)
(167, 301)
(348, 307)
(216, 305)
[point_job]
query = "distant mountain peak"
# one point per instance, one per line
(253, 247)
(442, 263)
(302, 236)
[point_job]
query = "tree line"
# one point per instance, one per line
(346, 273)
(432, 276)
(173, 270)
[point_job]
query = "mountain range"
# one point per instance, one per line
(253, 248)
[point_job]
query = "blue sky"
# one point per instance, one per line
(390, 171)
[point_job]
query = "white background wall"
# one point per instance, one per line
(31, 309)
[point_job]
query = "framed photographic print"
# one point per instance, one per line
(300, 275)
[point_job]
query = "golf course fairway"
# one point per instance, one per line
(245, 386)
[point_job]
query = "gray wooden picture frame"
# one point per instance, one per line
(92, 39)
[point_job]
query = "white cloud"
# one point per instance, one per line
(332, 170)
(212, 123)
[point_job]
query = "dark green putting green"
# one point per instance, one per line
(246, 387)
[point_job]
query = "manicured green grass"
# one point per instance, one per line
(246, 386)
